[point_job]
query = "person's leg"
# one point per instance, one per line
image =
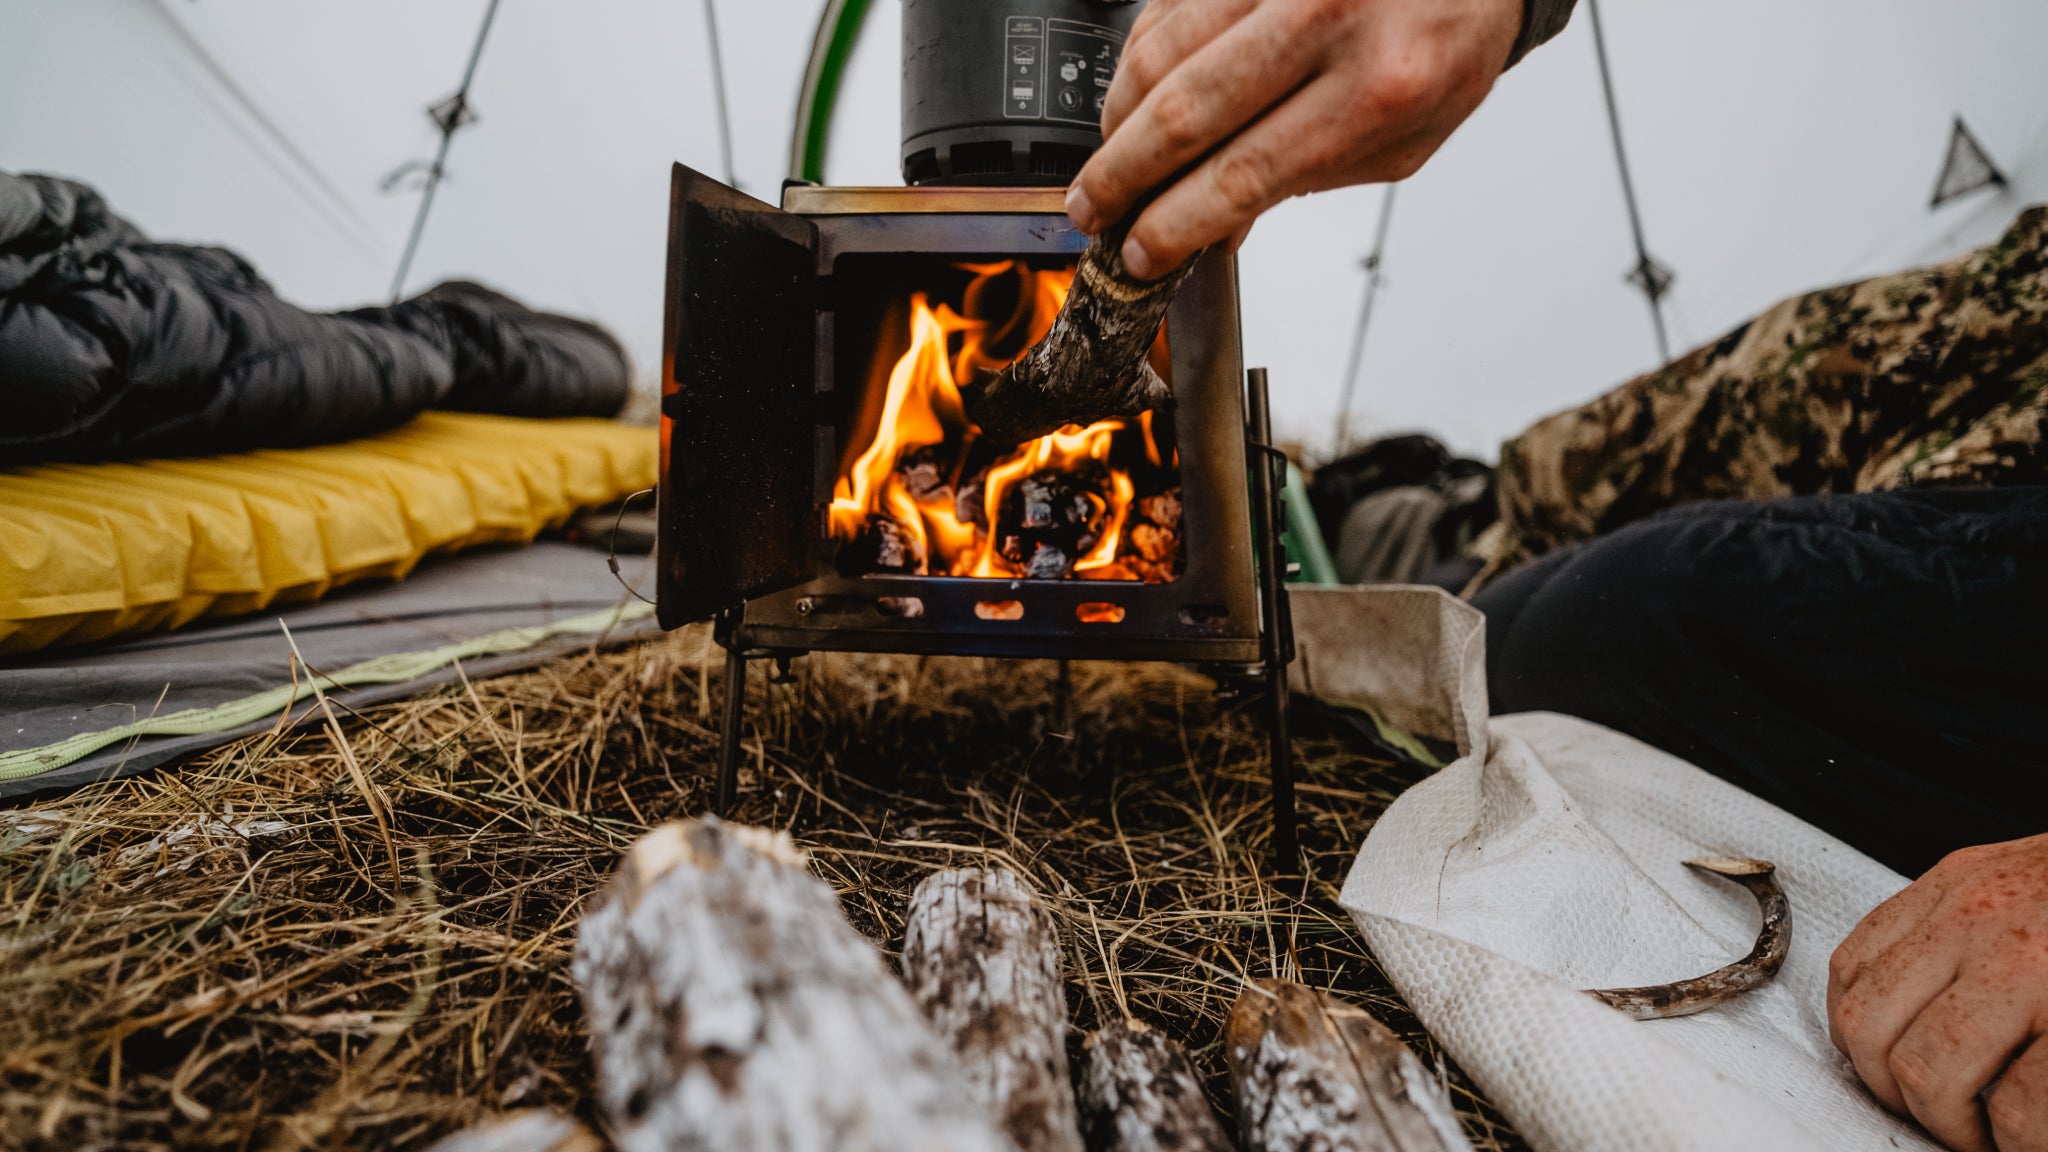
(1877, 665)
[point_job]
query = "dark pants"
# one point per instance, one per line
(1877, 665)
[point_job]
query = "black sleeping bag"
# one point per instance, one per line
(510, 359)
(112, 347)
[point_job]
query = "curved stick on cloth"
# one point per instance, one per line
(1548, 859)
(1773, 943)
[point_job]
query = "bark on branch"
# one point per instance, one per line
(1092, 364)
(983, 961)
(1314, 1074)
(732, 1007)
(1139, 1093)
(537, 1131)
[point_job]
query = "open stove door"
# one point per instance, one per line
(739, 507)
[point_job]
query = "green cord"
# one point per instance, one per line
(1305, 544)
(838, 33)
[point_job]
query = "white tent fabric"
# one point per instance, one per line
(1776, 148)
(1548, 858)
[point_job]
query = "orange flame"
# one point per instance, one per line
(923, 405)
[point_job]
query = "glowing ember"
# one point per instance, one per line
(1051, 509)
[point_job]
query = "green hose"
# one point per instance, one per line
(1304, 538)
(838, 32)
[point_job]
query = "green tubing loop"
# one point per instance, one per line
(838, 32)
(1304, 538)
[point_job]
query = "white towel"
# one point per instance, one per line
(1550, 858)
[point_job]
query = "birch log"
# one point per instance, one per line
(732, 1007)
(536, 1131)
(1314, 1074)
(1139, 1093)
(1092, 364)
(983, 961)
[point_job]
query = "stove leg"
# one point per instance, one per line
(1286, 840)
(735, 724)
(1063, 699)
(1268, 485)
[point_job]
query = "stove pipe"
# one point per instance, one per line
(1007, 92)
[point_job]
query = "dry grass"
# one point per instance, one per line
(256, 951)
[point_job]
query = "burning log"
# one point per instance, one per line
(1139, 1093)
(537, 1131)
(1092, 365)
(1156, 544)
(1048, 562)
(1315, 1074)
(1052, 519)
(967, 503)
(883, 545)
(1163, 509)
(1152, 541)
(731, 1006)
(983, 962)
(926, 476)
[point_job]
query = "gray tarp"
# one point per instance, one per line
(478, 599)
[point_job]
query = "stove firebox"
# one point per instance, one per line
(784, 519)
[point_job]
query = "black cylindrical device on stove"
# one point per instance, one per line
(1007, 91)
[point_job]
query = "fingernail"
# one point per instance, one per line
(1079, 210)
(1137, 261)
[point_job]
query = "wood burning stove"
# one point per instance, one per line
(822, 490)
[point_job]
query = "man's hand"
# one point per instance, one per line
(1940, 997)
(1283, 97)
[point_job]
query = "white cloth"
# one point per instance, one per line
(1549, 858)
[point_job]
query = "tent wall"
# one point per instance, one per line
(1777, 147)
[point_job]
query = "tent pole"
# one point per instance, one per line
(1372, 291)
(448, 130)
(732, 176)
(1647, 271)
(337, 210)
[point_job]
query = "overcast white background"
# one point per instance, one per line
(1778, 146)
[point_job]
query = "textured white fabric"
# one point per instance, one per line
(1549, 858)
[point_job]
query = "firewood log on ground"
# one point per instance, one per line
(1139, 1093)
(731, 1006)
(1314, 1074)
(536, 1131)
(1092, 364)
(983, 961)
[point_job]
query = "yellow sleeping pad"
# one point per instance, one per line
(89, 551)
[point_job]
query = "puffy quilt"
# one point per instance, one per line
(114, 347)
